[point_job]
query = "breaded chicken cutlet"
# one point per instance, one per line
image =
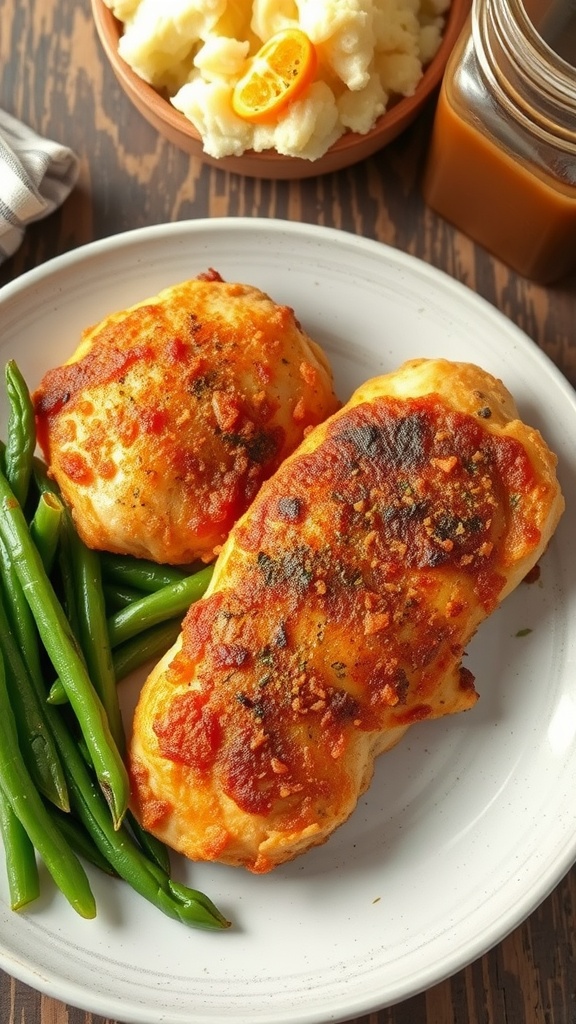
(339, 613)
(164, 423)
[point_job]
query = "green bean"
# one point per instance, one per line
(120, 850)
(21, 433)
(21, 619)
(153, 847)
(26, 656)
(48, 489)
(45, 527)
(151, 643)
(140, 572)
(167, 603)
(57, 694)
(27, 805)
(67, 582)
(131, 655)
(20, 855)
(119, 596)
(37, 742)
(79, 839)
(41, 479)
(63, 650)
(93, 631)
(191, 900)
(44, 538)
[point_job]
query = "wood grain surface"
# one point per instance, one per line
(54, 77)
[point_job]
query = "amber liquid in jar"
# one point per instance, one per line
(502, 159)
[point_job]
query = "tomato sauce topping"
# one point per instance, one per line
(349, 599)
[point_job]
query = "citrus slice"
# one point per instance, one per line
(280, 72)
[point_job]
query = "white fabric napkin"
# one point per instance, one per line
(36, 176)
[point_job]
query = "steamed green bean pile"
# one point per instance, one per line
(73, 623)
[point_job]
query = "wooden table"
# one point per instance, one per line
(54, 77)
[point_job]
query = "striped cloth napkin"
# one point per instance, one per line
(36, 176)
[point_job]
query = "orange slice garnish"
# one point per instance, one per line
(280, 72)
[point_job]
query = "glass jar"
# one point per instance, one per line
(502, 158)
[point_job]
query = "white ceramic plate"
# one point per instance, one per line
(470, 821)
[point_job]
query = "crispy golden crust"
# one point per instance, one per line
(339, 613)
(163, 425)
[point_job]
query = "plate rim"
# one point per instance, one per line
(400, 257)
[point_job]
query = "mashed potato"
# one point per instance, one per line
(369, 51)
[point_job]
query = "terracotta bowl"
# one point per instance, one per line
(349, 149)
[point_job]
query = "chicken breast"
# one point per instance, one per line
(339, 613)
(162, 426)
